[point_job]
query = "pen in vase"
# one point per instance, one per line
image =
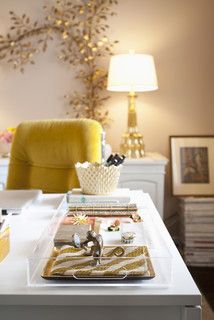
(115, 160)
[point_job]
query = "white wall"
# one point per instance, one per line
(179, 33)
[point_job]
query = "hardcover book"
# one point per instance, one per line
(75, 196)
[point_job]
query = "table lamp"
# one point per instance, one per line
(132, 73)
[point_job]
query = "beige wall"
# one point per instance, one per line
(179, 33)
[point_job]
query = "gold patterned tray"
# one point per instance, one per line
(123, 262)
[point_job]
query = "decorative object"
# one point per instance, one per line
(127, 237)
(192, 165)
(76, 240)
(80, 26)
(96, 248)
(119, 251)
(128, 231)
(115, 225)
(96, 245)
(80, 218)
(136, 217)
(132, 73)
(97, 178)
(6, 136)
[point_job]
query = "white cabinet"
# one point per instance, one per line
(146, 174)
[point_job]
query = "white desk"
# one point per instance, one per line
(180, 301)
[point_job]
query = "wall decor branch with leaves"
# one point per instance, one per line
(80, 27)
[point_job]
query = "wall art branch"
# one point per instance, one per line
(80, 27)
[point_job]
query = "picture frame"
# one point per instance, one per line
(192, 165)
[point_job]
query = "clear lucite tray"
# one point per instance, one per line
(157, 258)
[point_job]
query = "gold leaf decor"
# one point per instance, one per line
(80, 26)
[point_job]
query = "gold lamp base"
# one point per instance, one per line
(132, 145)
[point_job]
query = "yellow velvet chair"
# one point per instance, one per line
(44, 152)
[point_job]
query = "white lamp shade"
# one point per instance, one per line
(132, 72)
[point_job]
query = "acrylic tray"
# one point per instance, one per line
(157, 258)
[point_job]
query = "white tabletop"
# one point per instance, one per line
(25, 231)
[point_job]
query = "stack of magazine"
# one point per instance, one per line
(197, 227)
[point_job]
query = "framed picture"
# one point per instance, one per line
(192, 162)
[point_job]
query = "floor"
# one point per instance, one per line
(204, 277)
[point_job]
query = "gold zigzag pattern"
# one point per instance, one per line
(103, 268)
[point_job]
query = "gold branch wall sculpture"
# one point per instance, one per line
(80, 27)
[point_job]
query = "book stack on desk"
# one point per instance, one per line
(98, 210)
(116, 203)
(197, 230)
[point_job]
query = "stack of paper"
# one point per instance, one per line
(197, 230)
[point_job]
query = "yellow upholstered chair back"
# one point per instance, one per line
(44, 153)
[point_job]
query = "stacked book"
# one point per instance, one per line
(75, 196)
(197, 230)
(114, 204)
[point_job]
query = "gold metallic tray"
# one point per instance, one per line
(123, 262)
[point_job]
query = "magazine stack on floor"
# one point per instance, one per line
(197, 230)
